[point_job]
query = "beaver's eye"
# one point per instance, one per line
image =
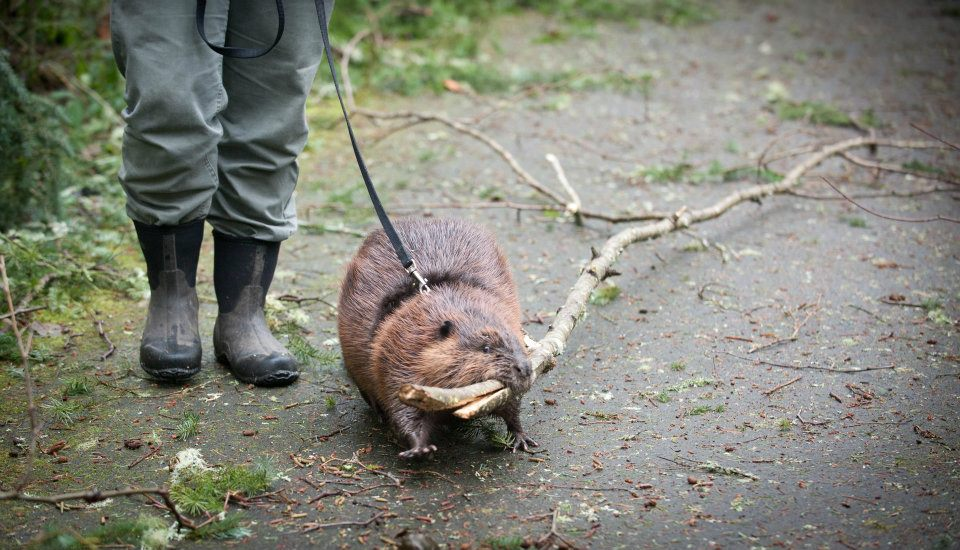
(486, 348)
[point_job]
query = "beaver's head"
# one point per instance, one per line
(487, 351)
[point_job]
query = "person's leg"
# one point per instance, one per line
(265, 127)
(253, 210)
(174, 93)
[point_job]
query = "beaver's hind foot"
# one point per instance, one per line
(521, 441)
(419, 452)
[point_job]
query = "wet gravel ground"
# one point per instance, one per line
(786, 375)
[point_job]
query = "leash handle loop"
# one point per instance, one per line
(233, 51)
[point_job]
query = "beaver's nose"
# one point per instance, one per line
(523, 369)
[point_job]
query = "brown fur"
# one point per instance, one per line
(465, 331)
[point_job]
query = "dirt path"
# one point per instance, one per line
(660, 425)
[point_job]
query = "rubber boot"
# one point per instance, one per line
(242, 272)
(170, 348)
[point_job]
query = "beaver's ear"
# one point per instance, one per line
(446, 329)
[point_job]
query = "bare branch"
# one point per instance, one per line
(574, 206)
(345, 56)
(24, 350)
(934, 136)
(937, 218)
(896, 168)
(521, 173)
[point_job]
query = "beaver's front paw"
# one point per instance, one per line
(419, 452)
(521, 441)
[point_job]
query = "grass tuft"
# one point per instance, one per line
(77, 385)
(64, 412)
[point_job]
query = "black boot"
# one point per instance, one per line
(242, 273)
(170, 348)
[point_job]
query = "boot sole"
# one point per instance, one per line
(271, 380)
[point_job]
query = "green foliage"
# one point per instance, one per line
(189, 425)
(678, 366)
(663, 397)
(918, 166)
(814, 112)
(854, 221)
(77, 385)
(9, 351)
(34, 156)
(487, 429)
(506, 542)
(764, 175)
(205, 491)
(604, 295)
(228, 528)
(117, 532)
(677, 13)
(784, 424)
(666, 173)
(704, 409)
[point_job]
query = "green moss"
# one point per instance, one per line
(784, 424)
(205, 491)
(663, 397)
(678, 366)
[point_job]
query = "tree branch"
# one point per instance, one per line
(553, 343)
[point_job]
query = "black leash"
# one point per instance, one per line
(406, 260)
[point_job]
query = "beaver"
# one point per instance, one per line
(466, 330)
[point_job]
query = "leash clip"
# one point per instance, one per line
(421, 282)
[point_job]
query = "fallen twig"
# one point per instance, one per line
(936, 218)
(934, 136)
(317, 526)
(779, 387)
(806, 367)
(103, 335)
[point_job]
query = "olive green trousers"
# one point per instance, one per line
(213, 137)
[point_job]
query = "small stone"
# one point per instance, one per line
(249, 433)
(550, 401)
(133, 443)
(692, 480)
